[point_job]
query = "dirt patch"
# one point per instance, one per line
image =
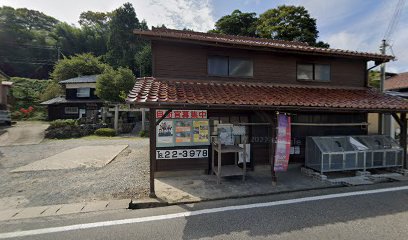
(23, 133)
(127, 176)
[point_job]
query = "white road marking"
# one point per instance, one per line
(193, 213)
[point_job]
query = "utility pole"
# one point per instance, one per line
(384, 121)
(383, 50)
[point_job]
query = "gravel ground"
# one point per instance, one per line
(125, 177)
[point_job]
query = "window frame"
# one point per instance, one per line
(71, 112)
(314, 72)
(208, 65)
(228, 66)
(88, 93)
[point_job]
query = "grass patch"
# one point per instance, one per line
(95, 137)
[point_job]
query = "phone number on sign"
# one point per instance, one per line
(181, 153)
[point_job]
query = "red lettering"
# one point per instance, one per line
(159, 114)
(177, 114)
(194, 114)
(186, 114)
(202, 114)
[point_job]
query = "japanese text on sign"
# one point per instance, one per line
(181, 153)
(201, 114)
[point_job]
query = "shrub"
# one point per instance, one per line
(62, 129)
(16, 115)
(38, 116)
(64, 132)
(143, 133)
(59, 123)
(106, 132)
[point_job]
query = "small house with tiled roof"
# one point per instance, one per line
(247, 82)
(397, 85)
(80, 100)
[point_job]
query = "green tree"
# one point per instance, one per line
(374, 78)
(69, 38)
(95, 31)
(144, 61)
(78, 65)
(52, 90)
(26, 92)
(35, 20)
(122, 42)
(238, 23)
(26, 46)
(94, 19)
(290, 23)
(113, 85)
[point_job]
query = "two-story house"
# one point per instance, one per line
(243, 80)
(79, 101)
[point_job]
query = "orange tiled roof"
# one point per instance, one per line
(168, 92)
(297, 47)
(397, 82)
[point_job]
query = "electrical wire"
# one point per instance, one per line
(394, 20)
(29, 45)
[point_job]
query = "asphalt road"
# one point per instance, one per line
(363, 214)
(23, 133)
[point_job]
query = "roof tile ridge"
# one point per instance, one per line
(255, 83)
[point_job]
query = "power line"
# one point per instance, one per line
(394, 19)
(32, 63)
(29, 45)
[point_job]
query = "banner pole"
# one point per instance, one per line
(273, 141)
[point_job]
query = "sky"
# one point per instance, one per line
(346, 24)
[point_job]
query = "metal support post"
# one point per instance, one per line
(152, 119)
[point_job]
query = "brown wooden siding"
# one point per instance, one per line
(58, 111)
(173, 60)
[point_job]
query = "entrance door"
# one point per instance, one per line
(82, 113)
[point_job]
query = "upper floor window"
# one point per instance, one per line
(83, 92)
(230, 66)
(310, 71)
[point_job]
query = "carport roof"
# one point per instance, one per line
(62, 99)
(171, 93)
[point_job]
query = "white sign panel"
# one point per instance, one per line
(181, 153)
(248, 154)
(182, 114)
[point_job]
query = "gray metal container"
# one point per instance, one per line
(341, 153)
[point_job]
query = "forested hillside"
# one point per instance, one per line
(31, 42)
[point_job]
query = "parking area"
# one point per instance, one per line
(127, 176)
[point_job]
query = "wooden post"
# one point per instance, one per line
(380, 124)
(152, 132)
(403, 138)
(116, 119)
(103, 113)
(143, 119)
